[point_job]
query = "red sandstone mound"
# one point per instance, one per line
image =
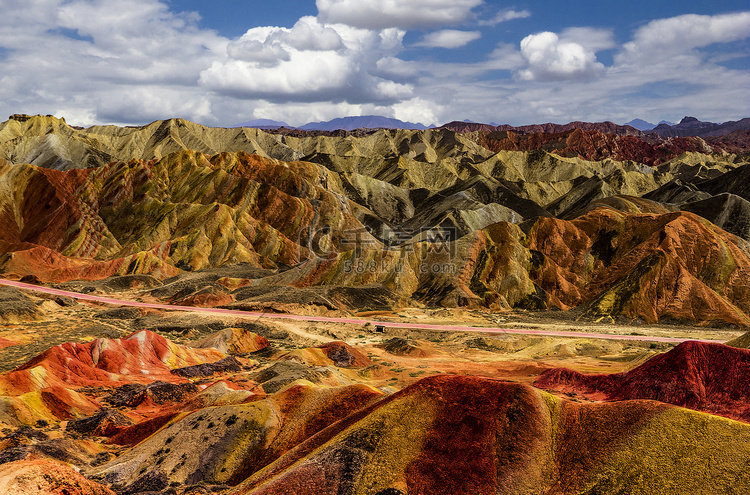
(53, 385)
(598, 144)
(549, 128)
(143, 357)
(455, 434)
(233, 341)
(707, 377)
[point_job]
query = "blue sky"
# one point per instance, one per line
(432, 61)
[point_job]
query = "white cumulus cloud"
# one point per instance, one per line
(270, 45)
(86, 54)
(405, 14)
(417, 110)
(149, 103)
(305, 73)
(551, 59)
(108, 61)
(309, 34)
(315, 63)
(449, 38)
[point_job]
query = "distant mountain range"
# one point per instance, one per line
(345, 123)
(364, 122)
(549, 128)
(264, 124)
(644, 126)
(688, 126)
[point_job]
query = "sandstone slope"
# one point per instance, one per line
(309, 419)
(457, 434)
(429, 216)
(701, 376)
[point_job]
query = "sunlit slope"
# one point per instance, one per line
(619, 256)
(474, 435)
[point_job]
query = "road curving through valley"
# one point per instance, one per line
(351, 321)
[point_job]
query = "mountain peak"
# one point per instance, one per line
(361, 122)
(640, 124)
(263, 124)
(690, 126)
(22, 117)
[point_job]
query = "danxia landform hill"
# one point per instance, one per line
(459, 310)
(437, 217)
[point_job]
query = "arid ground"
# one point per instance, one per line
(191, 310)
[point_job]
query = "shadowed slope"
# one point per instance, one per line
(728, 211)
(15, 306)
(736, 182)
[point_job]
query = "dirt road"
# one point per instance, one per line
(351, 321)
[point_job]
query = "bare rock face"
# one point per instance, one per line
(401, 347)
(235, 440)
(728, 211)
(153, 224)
(735, 181)
(233, 341)
(226, 365)
(103, 423)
